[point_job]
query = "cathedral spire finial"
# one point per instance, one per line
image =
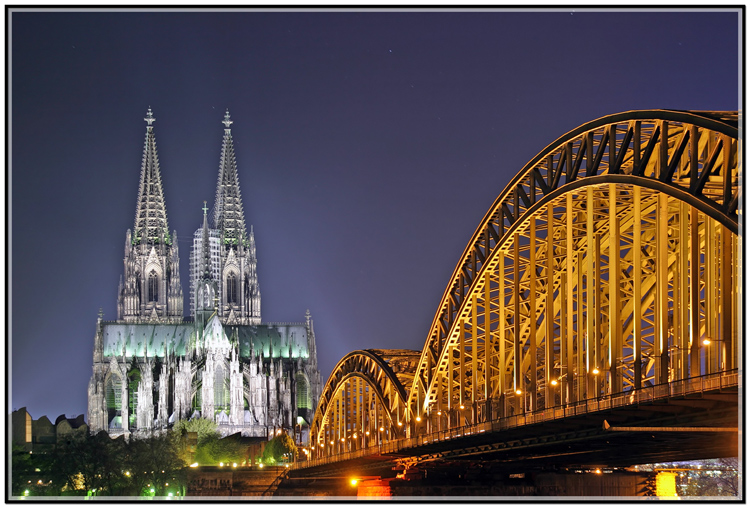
(227, 122)
(149, 117)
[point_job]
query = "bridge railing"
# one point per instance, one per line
(644, 395)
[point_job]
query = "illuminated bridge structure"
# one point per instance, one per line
(602, 284)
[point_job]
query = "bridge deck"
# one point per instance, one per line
(575, 434)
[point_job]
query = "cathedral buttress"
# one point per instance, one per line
(150, 289)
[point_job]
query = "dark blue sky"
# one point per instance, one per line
(369, 146)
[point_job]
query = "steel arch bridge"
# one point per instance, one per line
(608, 265)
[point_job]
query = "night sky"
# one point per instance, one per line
(369, 147)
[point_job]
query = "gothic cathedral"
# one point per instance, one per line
(152, 367)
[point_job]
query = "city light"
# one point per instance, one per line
(194, 464)
(518, 392)
(260, 465)
(595, 371)
(381, 429)
(461, 406)
(419, 419)
(353, 482)
(706, 342)
(553, 382)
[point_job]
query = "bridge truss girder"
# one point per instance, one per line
(363, 404)
(609, 264)
(563, 218)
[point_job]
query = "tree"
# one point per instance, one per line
(153, 463)
(204, 427)
(215, 450)
(22, 467)
(211, 448)
(279, 447)
(79, 462)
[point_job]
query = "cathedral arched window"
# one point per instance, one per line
(134, 379)
(303, 392)
(232, 293)
(221, 390)
(113, 396)
(153, 287)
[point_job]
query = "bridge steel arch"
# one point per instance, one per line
(609, 263)
(363, 402)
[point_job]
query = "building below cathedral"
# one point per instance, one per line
(152, 367)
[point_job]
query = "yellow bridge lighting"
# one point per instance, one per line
(574, 214)
(353, 482)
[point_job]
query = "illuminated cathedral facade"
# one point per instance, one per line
(152, 367)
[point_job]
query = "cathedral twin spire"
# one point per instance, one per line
(150, 213)
(229, 216)
(223, 255)
(150, 289)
